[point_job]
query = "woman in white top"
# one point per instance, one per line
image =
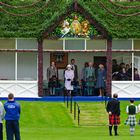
(69, 76)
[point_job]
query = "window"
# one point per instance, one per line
(96, 44)
(7, 44)
(122, 45)
(53, 44)
(7, 66)
(27, 66)
(122, 66)
(74, 44)
(26, 44)
(136, 66)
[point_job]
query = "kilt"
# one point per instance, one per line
(114, 119)
(131, 120)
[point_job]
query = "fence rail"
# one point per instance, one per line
(68, 99)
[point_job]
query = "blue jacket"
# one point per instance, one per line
(12, 109)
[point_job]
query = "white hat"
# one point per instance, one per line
(69, 66)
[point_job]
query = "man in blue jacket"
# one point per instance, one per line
(12, 116)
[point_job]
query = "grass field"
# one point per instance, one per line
(52, 121)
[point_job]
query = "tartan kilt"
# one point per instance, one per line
(114, 119)
(131, 120)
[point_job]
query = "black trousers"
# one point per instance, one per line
(1, 131)
(12, 130)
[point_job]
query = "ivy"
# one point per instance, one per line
(34, 26)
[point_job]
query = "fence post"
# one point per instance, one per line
(74, 110)
(71, 104)
(78, 115)
(67, 100)
(64, 96)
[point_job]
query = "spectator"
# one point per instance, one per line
(129, 72)
(101, 77)
(123, 75)
(121, 66)
(84, 71)
(115, 66)
(75, 69)
(136, 75)
(127, 67)
(90, 78)
(52, 71)
(69, 76)
(1, 118)
(53, 83)
(83, 78)
(12, 117)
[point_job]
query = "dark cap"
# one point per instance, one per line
(131, 100)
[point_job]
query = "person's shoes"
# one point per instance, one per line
(116, 134)
(131, 134)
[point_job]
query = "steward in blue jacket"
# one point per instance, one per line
(12, 116)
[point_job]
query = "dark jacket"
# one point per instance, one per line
(75, 72)
(113, 106)
(12, 109)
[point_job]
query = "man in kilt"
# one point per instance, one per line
(113, 109)
(131, 110)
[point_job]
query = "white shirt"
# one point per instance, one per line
(127, 109)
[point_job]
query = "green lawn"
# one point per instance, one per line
(52, 121)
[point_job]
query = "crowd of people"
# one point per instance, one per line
(123, 72)
(91, 78)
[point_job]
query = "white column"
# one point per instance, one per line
(85, 45)
(133, 60)
(64, 44)
(16, 62)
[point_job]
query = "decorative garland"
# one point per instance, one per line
(47, 21)
(20, 7)
(116, 14)
(24, 15)
(125, 7)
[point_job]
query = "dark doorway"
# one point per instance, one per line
(99, 60)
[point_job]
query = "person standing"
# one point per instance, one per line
(69, 76)
(12, 116)
(51, 73)
(1, 118)
(75, 69)
(101, 77)
(131, 110)
(83, 79)
(113, 109)
(90, 78)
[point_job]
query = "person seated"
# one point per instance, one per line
(53, 83)
(123, 75)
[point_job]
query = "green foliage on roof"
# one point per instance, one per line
(35, 25)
